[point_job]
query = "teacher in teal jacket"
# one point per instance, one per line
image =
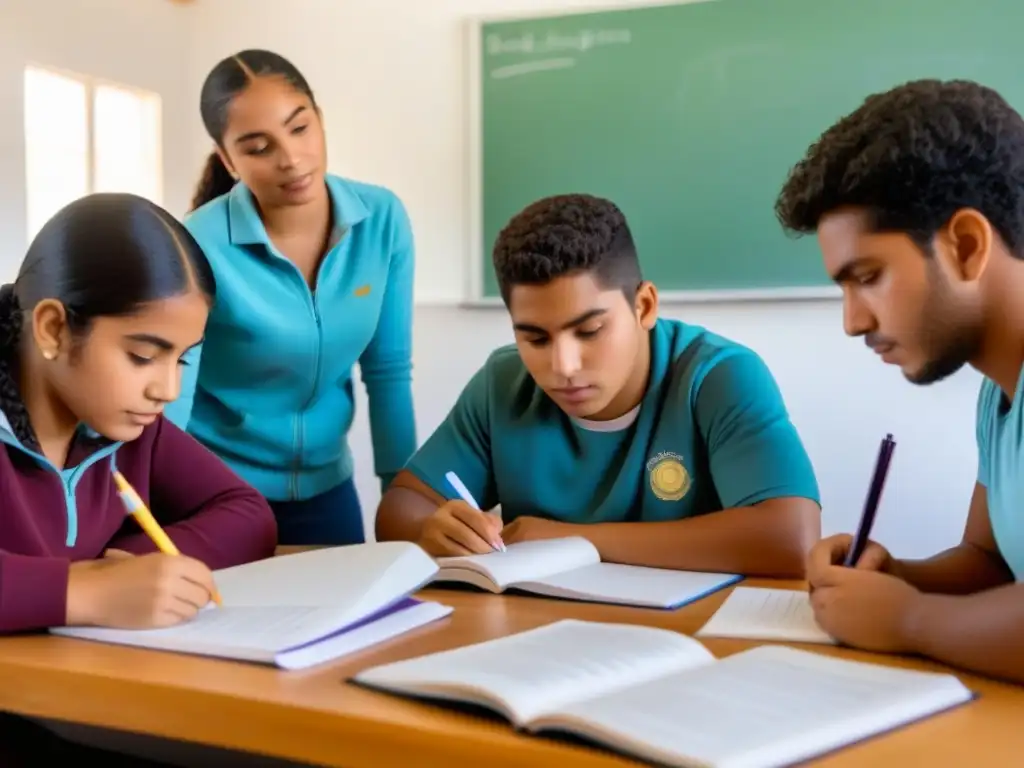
(314, 274)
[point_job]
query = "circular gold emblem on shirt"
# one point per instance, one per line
(669, 479)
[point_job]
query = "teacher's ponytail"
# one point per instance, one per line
(215, 181)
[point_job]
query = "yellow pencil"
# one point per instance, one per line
(138, 509)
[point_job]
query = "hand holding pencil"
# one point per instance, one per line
(144, 592)
(138, 509)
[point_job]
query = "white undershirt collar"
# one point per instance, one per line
(617, 424)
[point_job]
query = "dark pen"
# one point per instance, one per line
(867, 518)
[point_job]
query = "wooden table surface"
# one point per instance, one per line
(315, 716)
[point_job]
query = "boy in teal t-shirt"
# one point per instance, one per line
(660, 442)
(917, 201)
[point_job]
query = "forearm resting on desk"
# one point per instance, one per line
(770, 539)
(980, 632)
(33, 592)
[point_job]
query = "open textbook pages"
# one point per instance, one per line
(662, 697)
(302, 609)
(766, 614)
(571, 568)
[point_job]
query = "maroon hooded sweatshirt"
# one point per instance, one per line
(51, 517)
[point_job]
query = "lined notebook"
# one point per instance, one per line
(298, 610)
(571, 568)
(766, 614)
(662, 697)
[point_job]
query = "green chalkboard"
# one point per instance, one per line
(689, 117)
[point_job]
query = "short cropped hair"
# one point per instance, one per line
(565, 235)
(911, 157)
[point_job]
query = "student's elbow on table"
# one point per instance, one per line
(407, 502)
(797, 526)
(263, 528)
(1014, 672)
(977, 632)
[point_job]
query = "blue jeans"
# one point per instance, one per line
(335, 517)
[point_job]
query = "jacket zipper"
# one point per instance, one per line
(299, 427)
(299, 432)
(299, 435)
(69, 481)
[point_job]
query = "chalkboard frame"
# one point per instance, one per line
(479, 260)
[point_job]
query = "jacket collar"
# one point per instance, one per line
(246, 227)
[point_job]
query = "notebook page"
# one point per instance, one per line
(766, 614)
(267, 630)
(769, 706)
(528, 560)
(542, 669)
(629, 585)
(354, 580)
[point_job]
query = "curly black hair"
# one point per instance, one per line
(912, 156)
(563, 235)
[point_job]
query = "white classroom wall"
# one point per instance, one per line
(391, 78)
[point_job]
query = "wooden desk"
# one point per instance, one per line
(314, 716)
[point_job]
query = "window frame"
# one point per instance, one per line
(91, 84)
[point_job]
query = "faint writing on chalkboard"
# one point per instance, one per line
(534, 44)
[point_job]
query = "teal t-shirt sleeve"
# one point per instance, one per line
(461, 444)
(386, 363)
(755, 453)
(982, 420)
(179, 411)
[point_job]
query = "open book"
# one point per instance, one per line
(766, 614)
(571, 568)
(298, 610)
(662, 697)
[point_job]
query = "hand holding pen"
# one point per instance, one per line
(460, 527)
(858, 551)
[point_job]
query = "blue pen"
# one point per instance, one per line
(466, 496)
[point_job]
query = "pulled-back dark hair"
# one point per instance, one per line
(226, 80)
(104, 255)
(911, 157)
(563, 235)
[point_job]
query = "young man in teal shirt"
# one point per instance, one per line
(661, 443)
(917, 199)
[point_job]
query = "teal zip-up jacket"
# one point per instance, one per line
(271, 390)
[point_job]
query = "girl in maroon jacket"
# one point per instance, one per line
(111, 297)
